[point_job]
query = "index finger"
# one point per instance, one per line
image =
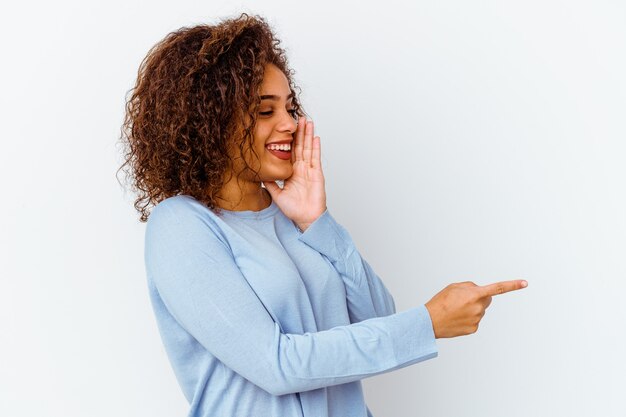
(308, 143)
(299, 139)
(502, 287)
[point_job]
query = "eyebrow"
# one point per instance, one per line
(275, 97)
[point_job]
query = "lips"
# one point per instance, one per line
(280, 142)
(280, 154)
(277, 152)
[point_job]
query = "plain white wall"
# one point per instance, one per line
(479, 141)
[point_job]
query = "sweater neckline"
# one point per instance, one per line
(268, 211)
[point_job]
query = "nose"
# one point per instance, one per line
(287, 123)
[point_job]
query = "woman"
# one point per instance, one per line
(263, 302)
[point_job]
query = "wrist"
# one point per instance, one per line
(432, 319)
(303, 226)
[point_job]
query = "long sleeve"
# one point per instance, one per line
(367, 296)
(202, 287)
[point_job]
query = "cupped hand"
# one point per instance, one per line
(303, 196)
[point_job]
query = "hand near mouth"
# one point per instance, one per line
(303, 196)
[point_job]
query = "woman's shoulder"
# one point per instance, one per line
(182, 210)
(179, 226)
(179, 202)
(184, 221)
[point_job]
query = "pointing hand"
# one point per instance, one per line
(457, 309)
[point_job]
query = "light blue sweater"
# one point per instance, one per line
(260, 319)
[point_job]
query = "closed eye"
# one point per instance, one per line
(292, 112)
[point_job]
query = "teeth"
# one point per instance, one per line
(283, 147)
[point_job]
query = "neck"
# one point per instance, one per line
(251, 196)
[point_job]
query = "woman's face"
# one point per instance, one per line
(276, 122)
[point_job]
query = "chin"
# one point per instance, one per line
(278, 175)
(275, 169)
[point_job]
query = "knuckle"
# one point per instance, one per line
(477, 309)
(474, 296)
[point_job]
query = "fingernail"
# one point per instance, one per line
(524, 284)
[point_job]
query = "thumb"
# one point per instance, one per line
(272, 188)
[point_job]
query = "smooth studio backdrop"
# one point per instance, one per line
(461, 141)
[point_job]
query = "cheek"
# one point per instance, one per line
(261, 137)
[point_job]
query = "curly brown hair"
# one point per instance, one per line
(196, 95)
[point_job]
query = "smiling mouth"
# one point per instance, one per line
(280, 154)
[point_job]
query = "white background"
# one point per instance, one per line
(480, 141)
